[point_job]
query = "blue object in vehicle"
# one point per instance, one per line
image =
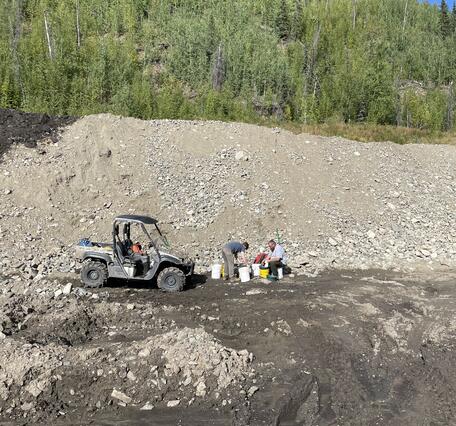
(85, 242)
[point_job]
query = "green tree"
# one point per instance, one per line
(445, 20)
(453, 18)
(283, 21)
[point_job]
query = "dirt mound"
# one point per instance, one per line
(27, 128)
(333, 202)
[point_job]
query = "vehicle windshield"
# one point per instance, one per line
(160, 241)
(134, 234)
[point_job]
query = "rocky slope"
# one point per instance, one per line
(335, 203)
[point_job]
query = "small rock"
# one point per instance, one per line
(371, 235)
(333, 242)
(147, 406)
(131, 376)
(106, 153)
(144, 353)
(27, 406)
(252, 390)
(121, 396)
(130, 306)
(425, 253)
(67, 288)
(58, 293)
(173, 403)
(201, 389)
(255, 291)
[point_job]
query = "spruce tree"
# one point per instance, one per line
(453, 19)
(283, 21)
(445, 23)
(297, 24)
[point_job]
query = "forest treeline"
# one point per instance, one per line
(305, 61)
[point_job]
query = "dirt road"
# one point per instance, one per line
(346, 348)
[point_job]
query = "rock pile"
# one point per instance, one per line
(199, 360)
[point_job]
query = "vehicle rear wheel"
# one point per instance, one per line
(94, 274)
(171, 280)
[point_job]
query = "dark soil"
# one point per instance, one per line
(344, 348)
(18, 127)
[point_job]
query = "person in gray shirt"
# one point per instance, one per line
(231, 251)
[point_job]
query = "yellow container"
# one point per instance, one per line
(264, 272)
(222, 272)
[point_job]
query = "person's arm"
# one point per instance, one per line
(279, 255)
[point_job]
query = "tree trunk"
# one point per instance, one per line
(218, 72)
(404, 23)
(450, 109)
(48, 37)
(78, 30)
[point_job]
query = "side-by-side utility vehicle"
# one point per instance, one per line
(148, 258)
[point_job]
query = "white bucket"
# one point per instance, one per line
(256, 269)
(216, 271)
(244, 274)
(130, 270)
(280, 273)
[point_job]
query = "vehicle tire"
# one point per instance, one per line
(94, 274)
(171, 280)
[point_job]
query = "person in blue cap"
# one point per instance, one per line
(230, 251)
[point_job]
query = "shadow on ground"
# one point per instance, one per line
(192, 282)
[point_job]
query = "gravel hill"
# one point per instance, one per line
(335, 203)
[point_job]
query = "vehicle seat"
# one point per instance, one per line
(121, 249)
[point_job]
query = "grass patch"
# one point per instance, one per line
(365, 132)
(376, 133)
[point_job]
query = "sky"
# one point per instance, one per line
(449, 2)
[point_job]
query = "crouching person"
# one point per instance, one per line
(230, 251)
(276, 259)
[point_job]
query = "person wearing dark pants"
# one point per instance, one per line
(276, 259)
(231, 251)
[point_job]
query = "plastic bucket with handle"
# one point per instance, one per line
(216, 272)
(280, 273)
(244, 274)
(264, 272)
(256, 269)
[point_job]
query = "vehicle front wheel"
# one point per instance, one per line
(171, 280)
(94, 274)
